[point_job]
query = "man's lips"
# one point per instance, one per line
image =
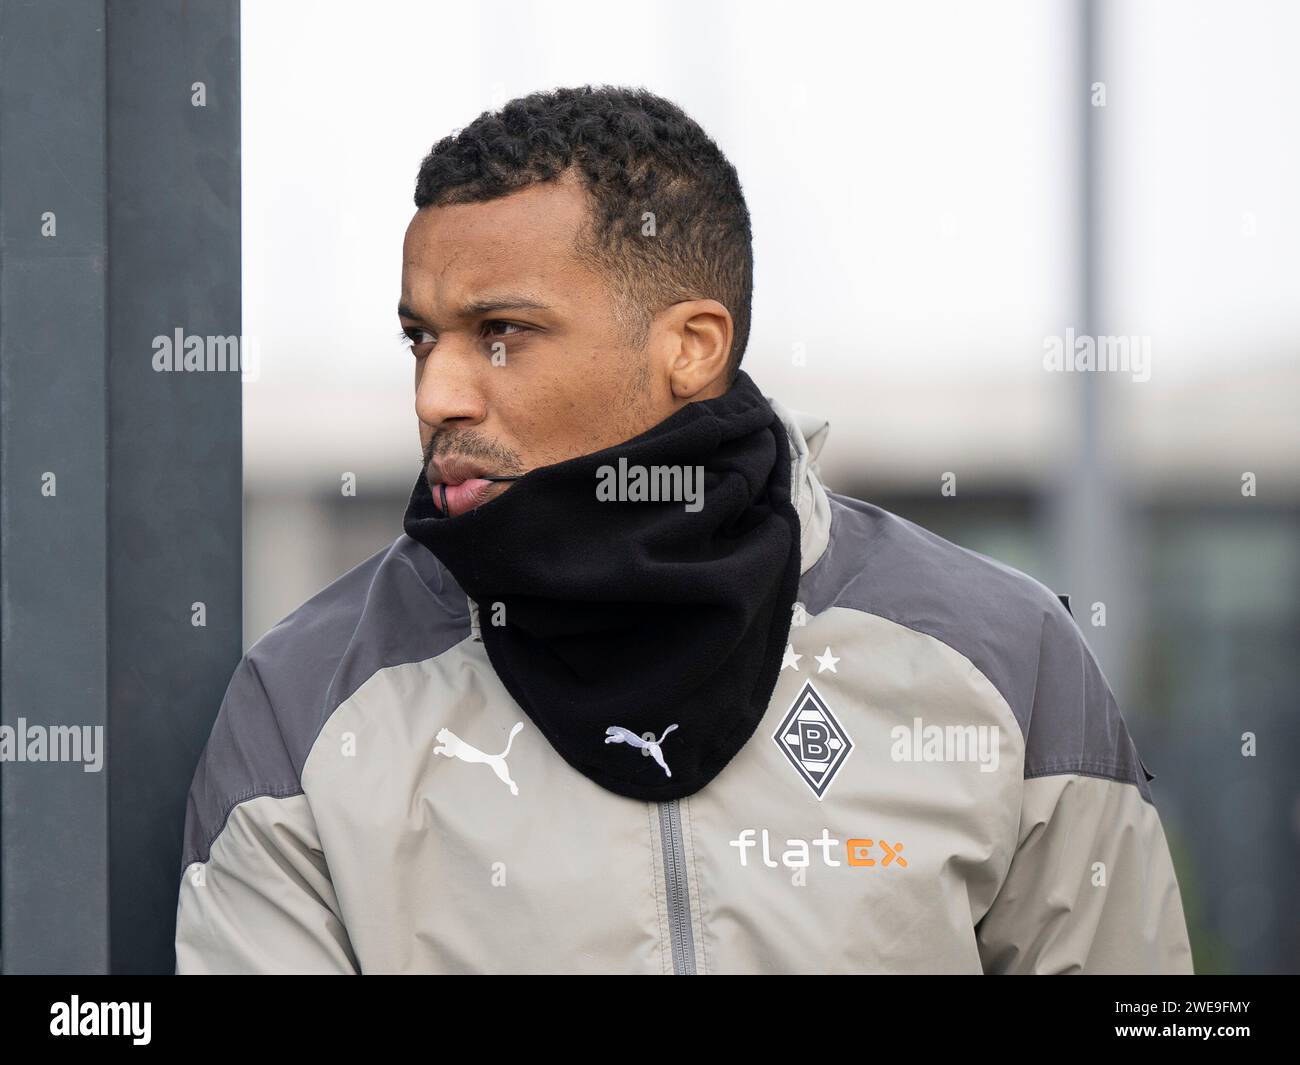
(459, 484)
(459, 498)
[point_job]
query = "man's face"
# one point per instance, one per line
(521, 359)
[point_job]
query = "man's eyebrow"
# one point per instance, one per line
(506, 301)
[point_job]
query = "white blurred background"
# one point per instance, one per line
(934, 191)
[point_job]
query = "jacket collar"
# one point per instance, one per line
(807, 434)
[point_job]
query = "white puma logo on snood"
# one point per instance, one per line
(618, 734)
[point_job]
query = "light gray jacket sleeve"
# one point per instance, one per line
(255, 893)
(1091, 886)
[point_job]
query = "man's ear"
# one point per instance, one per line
(699, 333)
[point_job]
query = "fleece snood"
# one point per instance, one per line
(643, 636)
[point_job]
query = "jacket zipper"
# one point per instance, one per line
(679, 899)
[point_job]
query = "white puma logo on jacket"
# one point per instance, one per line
(454, 747)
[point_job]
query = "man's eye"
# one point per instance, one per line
(496, 323)
(413, 337)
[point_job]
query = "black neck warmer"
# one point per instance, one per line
(642, 638)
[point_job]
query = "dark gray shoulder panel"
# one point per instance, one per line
(1012, 628)
(400, 605)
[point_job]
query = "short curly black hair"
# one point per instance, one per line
(668, 219)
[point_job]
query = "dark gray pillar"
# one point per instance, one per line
(102, 127)
(53, 424)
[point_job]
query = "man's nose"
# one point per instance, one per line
(449, 389)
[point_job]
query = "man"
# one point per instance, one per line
(634, 692)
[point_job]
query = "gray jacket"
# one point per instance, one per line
(942, 783)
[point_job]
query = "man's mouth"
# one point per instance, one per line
(454, 499)
(459, 485)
